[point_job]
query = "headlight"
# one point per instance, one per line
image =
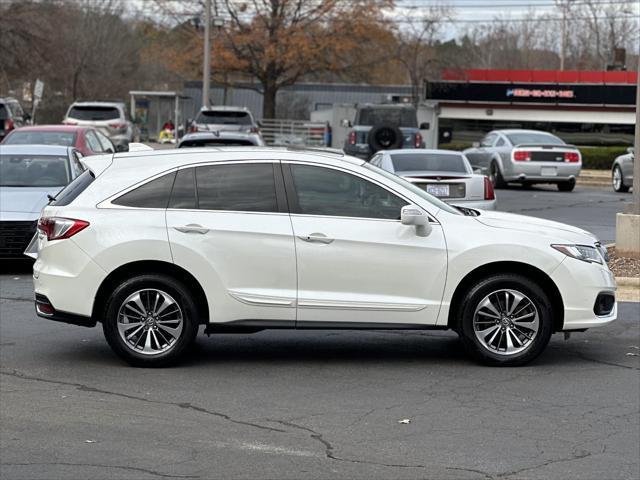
(586, 253)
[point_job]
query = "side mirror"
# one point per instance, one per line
(425, 126)
(346, 123)
(475, 144)
(412, 215)
(630, 150)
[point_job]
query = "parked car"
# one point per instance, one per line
(219, 139)
(86, 140)
(442, 173)
(28, 175)
(244, 239)
(225, 118)
(108, 117)
(622, 171)
(383, 127)
(11, 115)
(527, 157)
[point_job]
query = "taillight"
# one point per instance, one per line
(489, 194)
(117, 125)
(57, 228)
(352, 138)
(254, 130)
(418, 141)
(193, 129)
(8, 125)
(519, 156)
(572, 157)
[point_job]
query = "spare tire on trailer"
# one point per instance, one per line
(384, 137)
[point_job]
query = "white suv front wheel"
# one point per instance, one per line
(506, 320)
(150, 320)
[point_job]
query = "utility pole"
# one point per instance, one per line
(206, 66)
(635, 206)
(564, 6)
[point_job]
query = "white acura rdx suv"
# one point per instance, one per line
(152, 244)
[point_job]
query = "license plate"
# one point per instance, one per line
(438, 190)
(548, 171)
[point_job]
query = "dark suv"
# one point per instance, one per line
(383, 127)
(11, 115)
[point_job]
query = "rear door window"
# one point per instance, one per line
(246, 187)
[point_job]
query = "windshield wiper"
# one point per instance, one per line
(51, 198)
(469, 212)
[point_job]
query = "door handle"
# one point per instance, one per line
(192, 228)
(316, 238)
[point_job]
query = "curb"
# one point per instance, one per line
(628, 281)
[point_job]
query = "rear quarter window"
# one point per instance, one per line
(153, 194)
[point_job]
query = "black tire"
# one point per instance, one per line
(484, 289)
(567, 186)
(385, 137)
(174, 348)
(495, 175)
(622, 188)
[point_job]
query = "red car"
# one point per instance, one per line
(87, 140)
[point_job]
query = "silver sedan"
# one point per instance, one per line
(622, 172)
(526, 157)
(445, 174)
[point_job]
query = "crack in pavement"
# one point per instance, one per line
(579, 456)
(99, 465)
(328, 448)
(185, 405)
(582, 356)
(18, 299)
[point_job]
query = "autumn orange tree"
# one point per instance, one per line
(279, 42)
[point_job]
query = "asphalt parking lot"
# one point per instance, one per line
(325, 404)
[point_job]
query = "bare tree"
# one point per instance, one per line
(416, 50)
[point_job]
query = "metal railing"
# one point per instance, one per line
(277, 131)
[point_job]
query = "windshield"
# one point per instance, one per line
(33, 170)
(432, 162)
(94, 113)
(418, 191)
(534, 138)
(224, 118)
(399, 117)
(40, 138)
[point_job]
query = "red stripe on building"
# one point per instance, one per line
(541, 76)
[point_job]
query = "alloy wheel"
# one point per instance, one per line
(150, 321)
(506, 322)
(617, 179)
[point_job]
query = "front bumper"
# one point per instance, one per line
(580, 283)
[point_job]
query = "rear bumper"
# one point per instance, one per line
(533, 172)
(45, 309)
(67, 277)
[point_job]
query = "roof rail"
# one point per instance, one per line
(333, 151)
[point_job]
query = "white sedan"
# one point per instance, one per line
(445, 174)
(241, 239)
